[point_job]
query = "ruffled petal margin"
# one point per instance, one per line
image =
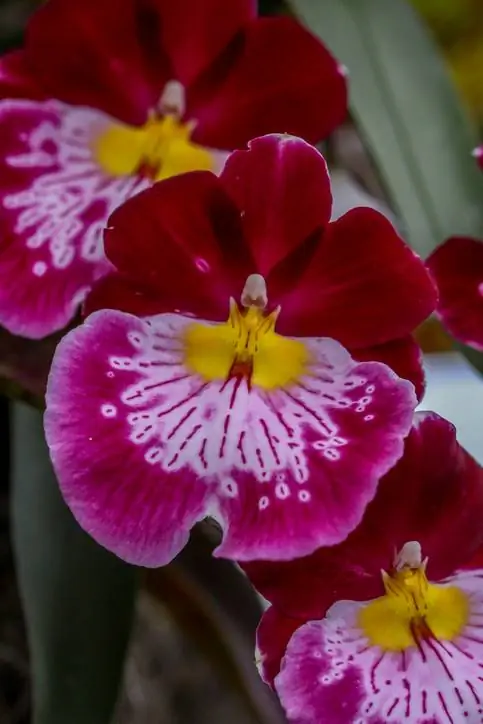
(283, 471)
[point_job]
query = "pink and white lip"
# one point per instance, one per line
(149, 447)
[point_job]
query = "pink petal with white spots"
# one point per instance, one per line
(55, 201)
(331, 674)
(283, 471)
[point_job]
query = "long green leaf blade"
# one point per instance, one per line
(78, 599)
(408, 113)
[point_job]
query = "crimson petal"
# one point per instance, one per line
(364, 286)
(114, 291)
(282, 188)
(94, 53)
(457, 267)
(16, 80)
(404, 356)
(273, 634)
(181, 241)
(275, 76)
(433, 495)
(195, 33)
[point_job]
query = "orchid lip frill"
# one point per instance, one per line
(172, 418)
(107, 98)
(401, 644)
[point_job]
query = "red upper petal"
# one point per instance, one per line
(403, 355)
(364, 286)
(281, 186)
(433, 495)
(274, 77)
(98, 53)
(273, 634)
(457, 267)
(114, 291)
(16, 79)
(179, 242)
(194, 33)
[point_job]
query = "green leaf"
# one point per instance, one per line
(78, 598)
(407, 112)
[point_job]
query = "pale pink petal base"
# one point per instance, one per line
(138, 442)
(332, 675)
(55, 201)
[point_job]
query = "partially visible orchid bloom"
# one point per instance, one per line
(457, 268)
(223, 387)
(108, 97)
(387, 626)
(478, 154)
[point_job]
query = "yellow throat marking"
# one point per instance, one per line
(246, 346)
(413, 610)
(159, 149)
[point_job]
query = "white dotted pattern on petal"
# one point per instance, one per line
(441, 681)
(53, 211)
(216, 426)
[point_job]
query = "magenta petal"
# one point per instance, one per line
(309, 687)
(104, 448)
(283, 471)
(54, 204)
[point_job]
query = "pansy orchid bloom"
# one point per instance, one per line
(106, 98)
(217, 384)
(457, 268)
(387, 626)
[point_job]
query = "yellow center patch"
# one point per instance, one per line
(159, 149)
(245, 346)
(413, 610)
